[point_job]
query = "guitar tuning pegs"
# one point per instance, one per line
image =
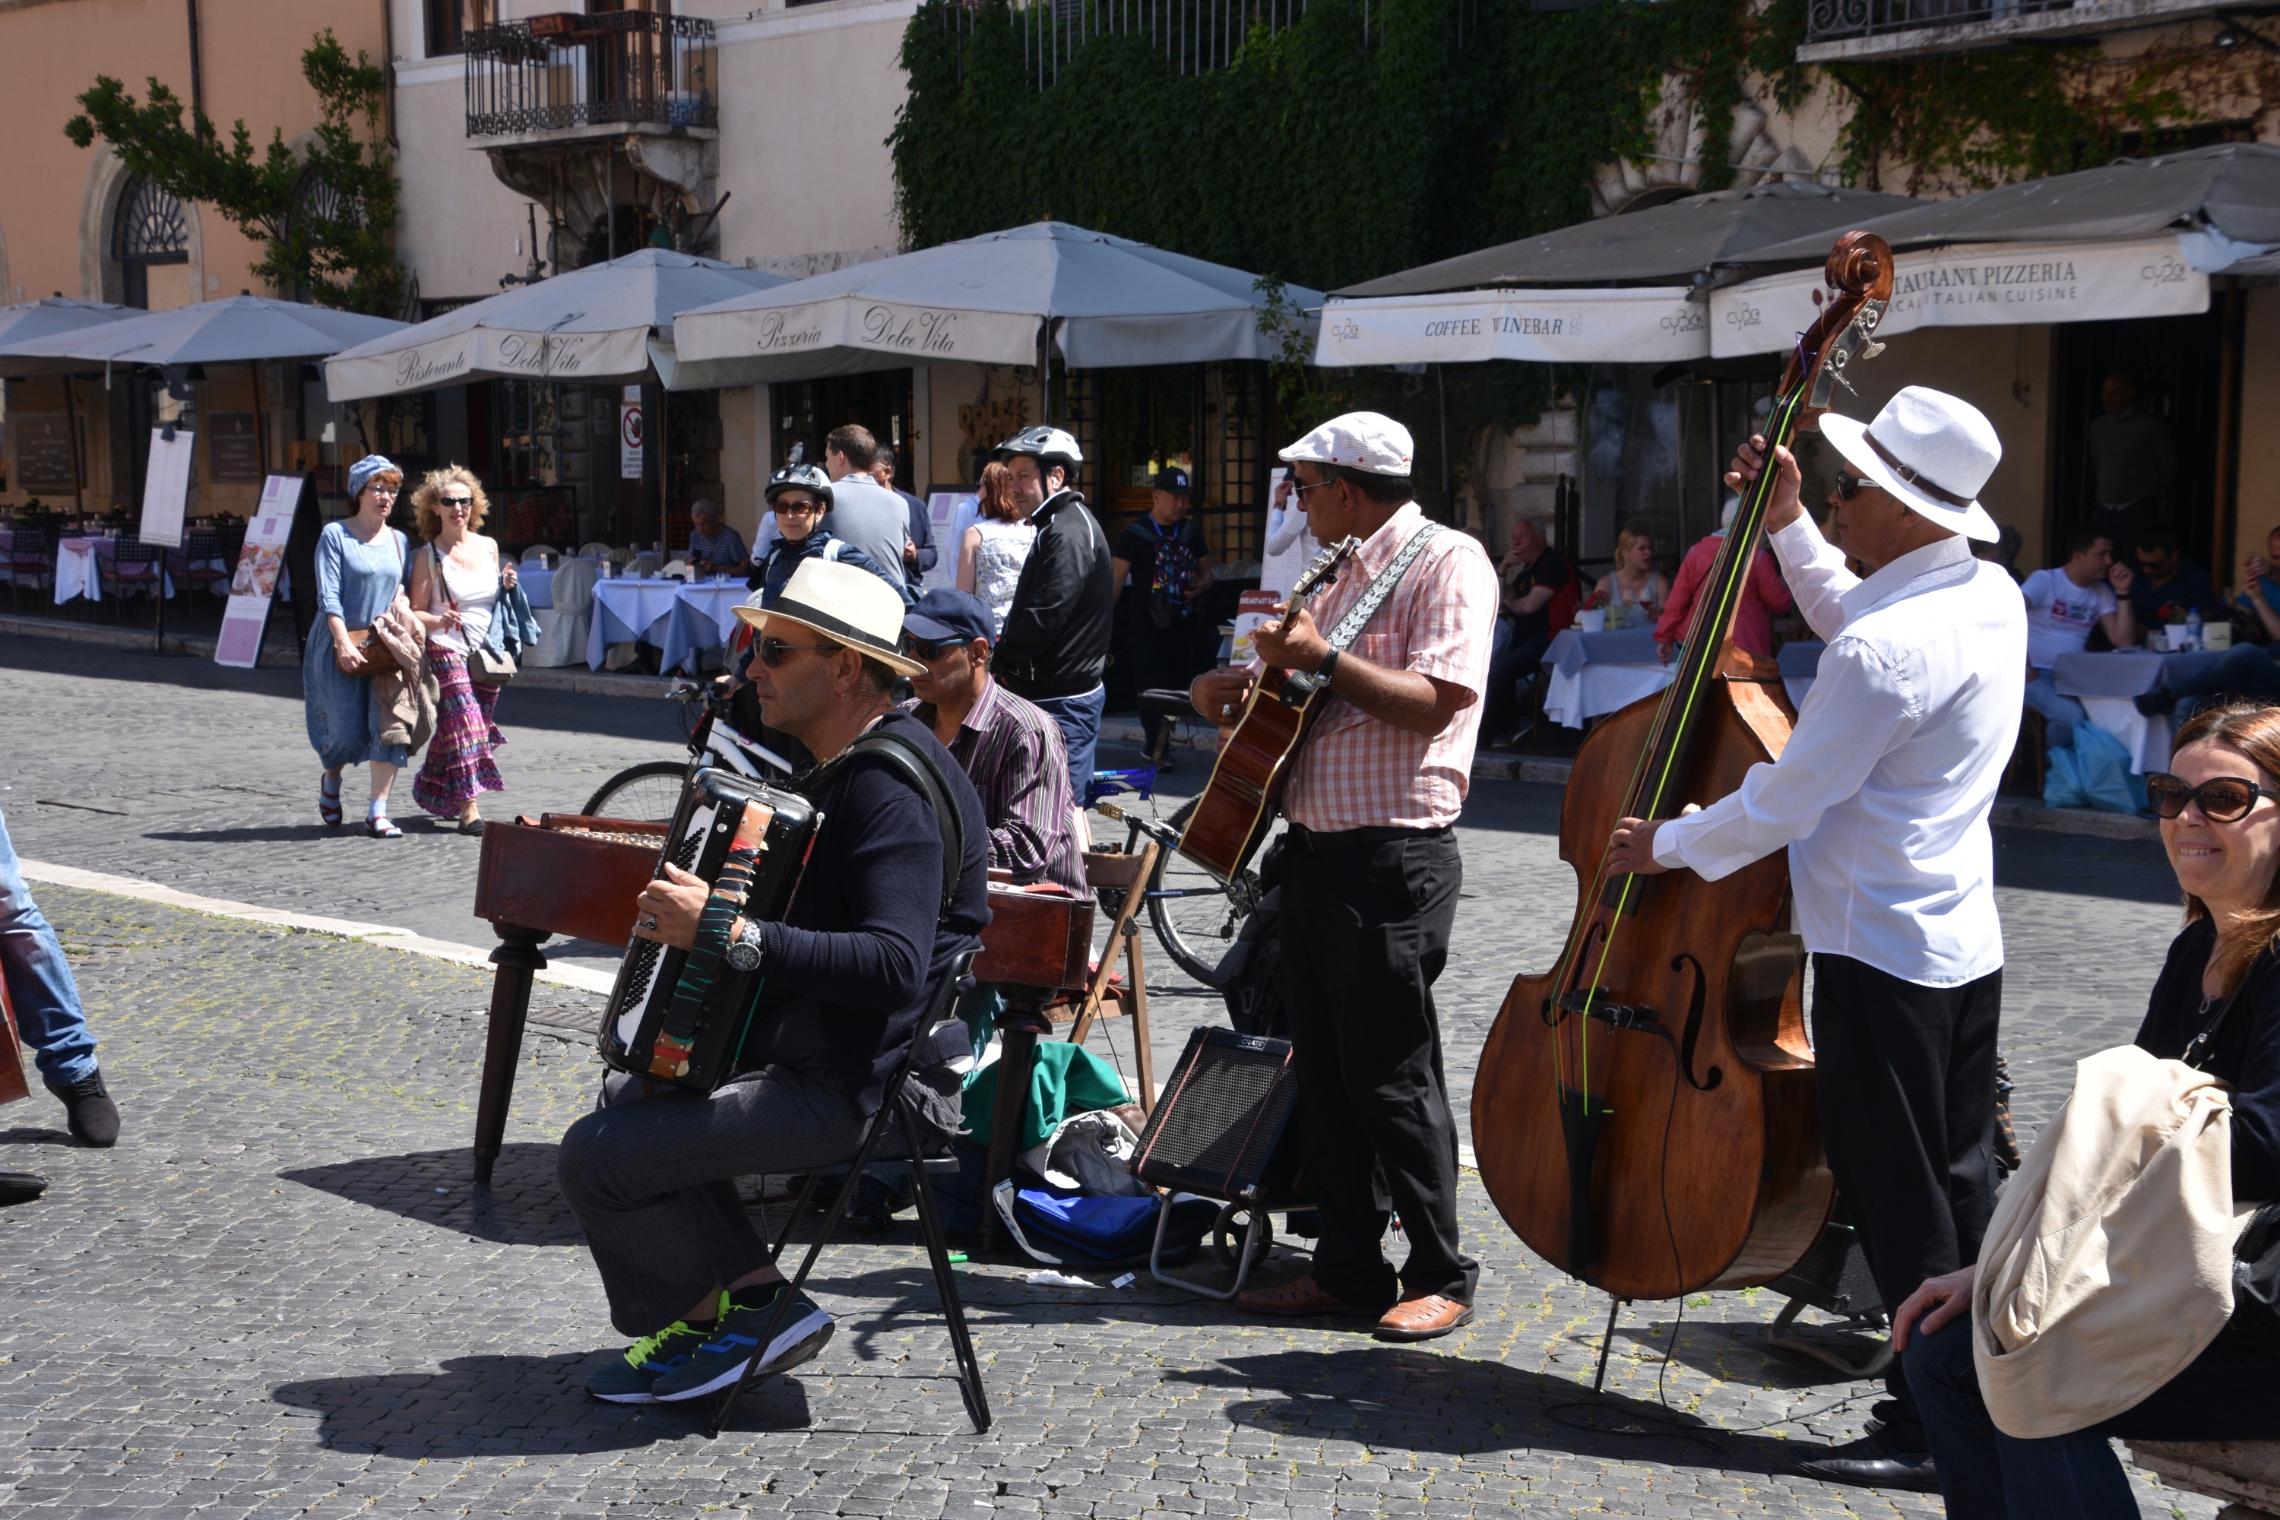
(1874, 348)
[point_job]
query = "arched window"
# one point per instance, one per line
(151, 227)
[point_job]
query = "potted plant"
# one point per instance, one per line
(1591, 612)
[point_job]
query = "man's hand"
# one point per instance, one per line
(667, 910)
(910, 551)
(1749, 463)
(1631, 849)
(2121, 577)
(2257, 567)
(1937, 1300)
(1664, 651)
(1291, 643)
(1220, 694)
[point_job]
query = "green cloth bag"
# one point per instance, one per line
(1067, 1080)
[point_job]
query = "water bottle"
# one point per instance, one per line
(2193, 628)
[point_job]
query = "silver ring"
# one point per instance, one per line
(648, 923)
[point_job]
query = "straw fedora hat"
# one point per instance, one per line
(845, 604)
(1932, 451)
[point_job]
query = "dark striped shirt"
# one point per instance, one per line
(1014, 756)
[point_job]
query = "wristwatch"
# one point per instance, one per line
(744, 949)
(1329, 666)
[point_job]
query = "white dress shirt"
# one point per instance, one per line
(1883, 790)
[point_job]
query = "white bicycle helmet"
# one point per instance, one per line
(1044, 443)
(804, 477)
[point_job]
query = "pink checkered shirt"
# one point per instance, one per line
(1356, 772)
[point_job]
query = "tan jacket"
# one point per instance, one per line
(2108, 1265)
(402, 684)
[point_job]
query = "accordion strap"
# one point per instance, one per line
(906, 760)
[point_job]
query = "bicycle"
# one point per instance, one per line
(1196, 915)
(651, 791)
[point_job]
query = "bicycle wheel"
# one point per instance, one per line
(644, 793)
(1191, 910)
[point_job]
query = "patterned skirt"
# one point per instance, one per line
(459, 767)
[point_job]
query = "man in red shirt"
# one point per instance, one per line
(1765, 595)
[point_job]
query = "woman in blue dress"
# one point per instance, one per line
(361, 565)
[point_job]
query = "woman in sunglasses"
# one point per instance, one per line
(2220, 824)
(463, 590)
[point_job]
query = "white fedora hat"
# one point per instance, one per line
(1930, 450)
(846, 604)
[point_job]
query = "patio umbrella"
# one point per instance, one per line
(240, 330)
(1615, 288)
(51, 317)
(2138, 238)
(1104, 302)
(606, 323)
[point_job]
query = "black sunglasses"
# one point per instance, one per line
(1850, 485)
(929, 649)
(458, 501)
(773, 652)
(799, 508)
(2221, 799)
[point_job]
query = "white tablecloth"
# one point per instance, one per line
(2105, 684)
(83, 563)
(1591, 674)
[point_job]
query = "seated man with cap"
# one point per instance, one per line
(848, 976)
(1370, 875)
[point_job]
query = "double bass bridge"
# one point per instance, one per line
(1588, 1003)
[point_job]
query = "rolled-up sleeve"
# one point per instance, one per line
(1858, 708)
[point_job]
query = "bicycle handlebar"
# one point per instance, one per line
(1155, 828)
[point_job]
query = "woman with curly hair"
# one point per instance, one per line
(458, 578)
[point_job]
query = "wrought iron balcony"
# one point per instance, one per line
(1842, 31)
(566, 71)
(1831, 19)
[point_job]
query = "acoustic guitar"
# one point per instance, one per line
(1231, 817)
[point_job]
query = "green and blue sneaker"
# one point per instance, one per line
(631, 1378)
(720, 1361)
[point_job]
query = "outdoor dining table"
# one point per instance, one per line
(2108, 683)
(679, 618)
(83, 563)
(1591, 674)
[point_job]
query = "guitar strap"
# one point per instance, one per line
(1381, 586)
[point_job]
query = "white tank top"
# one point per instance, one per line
(477, 592)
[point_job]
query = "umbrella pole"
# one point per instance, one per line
(71, 425)
(260, 430)
(1441, 394)
(664, 464)
(1045, 370)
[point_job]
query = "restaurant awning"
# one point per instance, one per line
(238, 330)
(1104, 302)
(607, 323)
(1616, 288)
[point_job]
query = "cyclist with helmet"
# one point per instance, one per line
(1054, 646)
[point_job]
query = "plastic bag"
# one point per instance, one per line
(2093, 772)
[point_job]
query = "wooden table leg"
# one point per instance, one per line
(518, 960)
(1019, 1024)
(12, 1083)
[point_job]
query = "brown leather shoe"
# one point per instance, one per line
(1421, 1316)
(1300, 1297)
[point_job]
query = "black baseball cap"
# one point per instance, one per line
(1171, 478)
(947, 615)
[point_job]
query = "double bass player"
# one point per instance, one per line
(1882, 796)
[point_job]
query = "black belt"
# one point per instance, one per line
(1357, 839)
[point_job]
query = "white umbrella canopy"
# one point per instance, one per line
(600, 324)
(239, 330)
(51, 317)
(1107, 302)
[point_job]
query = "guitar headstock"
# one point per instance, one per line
(1322, 569)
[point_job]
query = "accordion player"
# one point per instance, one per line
(680, 1017)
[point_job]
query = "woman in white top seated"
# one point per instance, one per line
(456, 580)
(994, 549)
(1634, 592)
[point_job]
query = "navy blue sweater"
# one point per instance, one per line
(847, 973)
(2245, 1055)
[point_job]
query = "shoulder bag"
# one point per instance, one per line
(485, 666)
(368, 660)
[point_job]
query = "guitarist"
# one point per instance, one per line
(1371, 894)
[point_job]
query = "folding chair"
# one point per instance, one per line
(1110, 873)
(894, 1107)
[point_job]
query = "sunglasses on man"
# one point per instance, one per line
(1850, 485)
(773, 652)
(2221, 799)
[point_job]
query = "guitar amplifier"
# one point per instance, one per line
(1226, 1124)
(1833, 1275)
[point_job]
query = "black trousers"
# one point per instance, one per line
(1365, 931)
(1906, 1088)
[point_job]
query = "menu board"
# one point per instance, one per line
(233, 448)
(166, 488)
(254, 583)
(43, 452)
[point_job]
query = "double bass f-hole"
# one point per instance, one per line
(1693, 1035)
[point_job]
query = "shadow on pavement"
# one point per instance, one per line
(514, 1406)
(521, 1208)
(29, 1136)
(1457, 1406)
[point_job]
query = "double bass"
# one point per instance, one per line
(1644, 1115)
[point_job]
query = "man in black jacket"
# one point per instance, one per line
(1054, 646)
(847, 977)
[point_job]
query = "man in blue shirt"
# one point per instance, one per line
(2166, 582)
(715, 548)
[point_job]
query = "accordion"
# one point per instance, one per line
(680, 1016)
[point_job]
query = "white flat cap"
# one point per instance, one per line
(1367, 441)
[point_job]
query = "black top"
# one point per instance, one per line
(1547, 569)
(848, 972)
(921, 535)
(1055, 639)
(2245, 1054)
(1137, 545)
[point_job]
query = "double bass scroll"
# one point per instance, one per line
(1644, 1114)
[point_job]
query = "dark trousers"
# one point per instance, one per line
(2225, 1395)
(1165, 657)
(1907, 1097)
(1365, 931)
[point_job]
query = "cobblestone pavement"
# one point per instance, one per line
(279, 1297)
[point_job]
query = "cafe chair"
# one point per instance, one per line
(929, 1154)
(562, 627)
(205, 567)
(678, 567)
(595, 550)
(541, 554)
(133, 570)
(31, 562)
